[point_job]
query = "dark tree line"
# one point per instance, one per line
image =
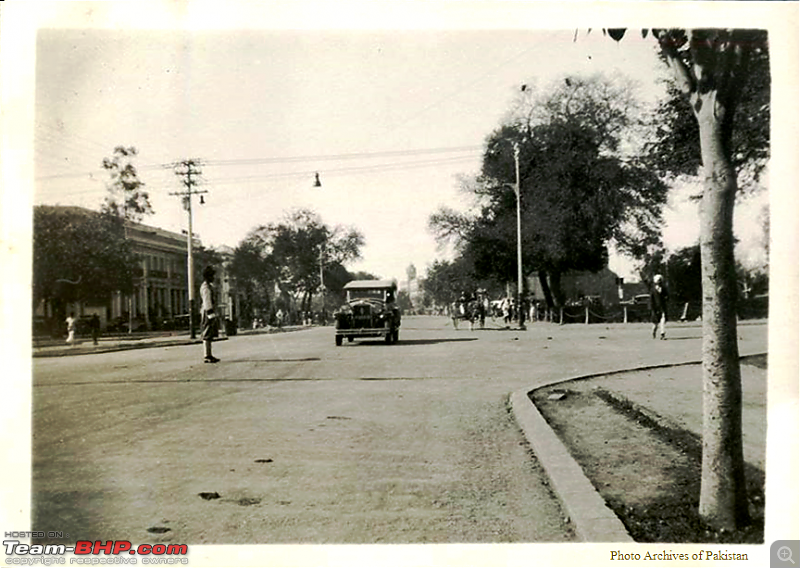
(283, 265)
(578, 191)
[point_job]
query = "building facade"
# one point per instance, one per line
(160, 297)
(161, 290)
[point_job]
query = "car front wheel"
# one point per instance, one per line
(338, 340)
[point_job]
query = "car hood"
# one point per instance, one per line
(373, 303)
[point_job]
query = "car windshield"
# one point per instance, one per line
(376, 293)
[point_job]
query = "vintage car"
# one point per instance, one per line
(370, 311)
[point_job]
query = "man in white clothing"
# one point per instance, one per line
(209, 321)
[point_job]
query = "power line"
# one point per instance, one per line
(353, 169)
(460, 89)
(59, 133)
(337, 157)
(224, 181)
(290, 160)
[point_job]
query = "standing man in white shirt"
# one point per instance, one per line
(71, 328)
(209, 321)
(658, 306)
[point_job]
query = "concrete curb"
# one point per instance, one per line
(144, 343)
(593, 520)
(91, 349)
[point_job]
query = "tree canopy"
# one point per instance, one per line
(126, 197)
(674, 142)
(578, 190)
(294, 254)
(79, 255)
(444, 280)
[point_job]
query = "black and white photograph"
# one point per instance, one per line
(400, 283)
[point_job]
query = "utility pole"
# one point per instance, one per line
(187, 169)
(518, 190)
(323, 315)
(130, 296)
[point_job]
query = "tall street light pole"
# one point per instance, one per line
(323, 315)
(130, 296)
(189, 171)
(318, 183)
(517, 190)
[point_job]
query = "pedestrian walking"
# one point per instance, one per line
(210, 322)
(71, 323)
(658, 306)
(94, 324)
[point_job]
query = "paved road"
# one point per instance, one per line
(294, 440)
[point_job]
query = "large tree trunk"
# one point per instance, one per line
(723, 494)
(712, 78)
(548, 296)
(555, 287)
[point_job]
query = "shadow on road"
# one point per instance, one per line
(402, 342)
(298, 360)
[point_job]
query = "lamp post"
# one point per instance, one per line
(323, 315)
(130, 296)
(189, 171)
(517, 191)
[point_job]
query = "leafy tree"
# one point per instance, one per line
(255, 277)
(361, 275)
(404, 301)
(578, 190)
(716, 71)
(445, 280)
(126, 197)
(78, 255)
(292, 251)
(674, 142)
(683, 275)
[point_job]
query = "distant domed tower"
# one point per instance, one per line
(411, 273)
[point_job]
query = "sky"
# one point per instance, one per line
(388, 118)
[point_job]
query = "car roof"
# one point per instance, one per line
(364, 284)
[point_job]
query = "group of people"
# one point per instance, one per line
(279, 320)
(209, 324)
(507, 307)
(72, 327)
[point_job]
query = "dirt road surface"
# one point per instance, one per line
(292, 440)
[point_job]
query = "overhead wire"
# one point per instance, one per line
(46, 133)
(469, 153)
(352, 169)
(461, 88)
(41, 124)
(336, 157)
